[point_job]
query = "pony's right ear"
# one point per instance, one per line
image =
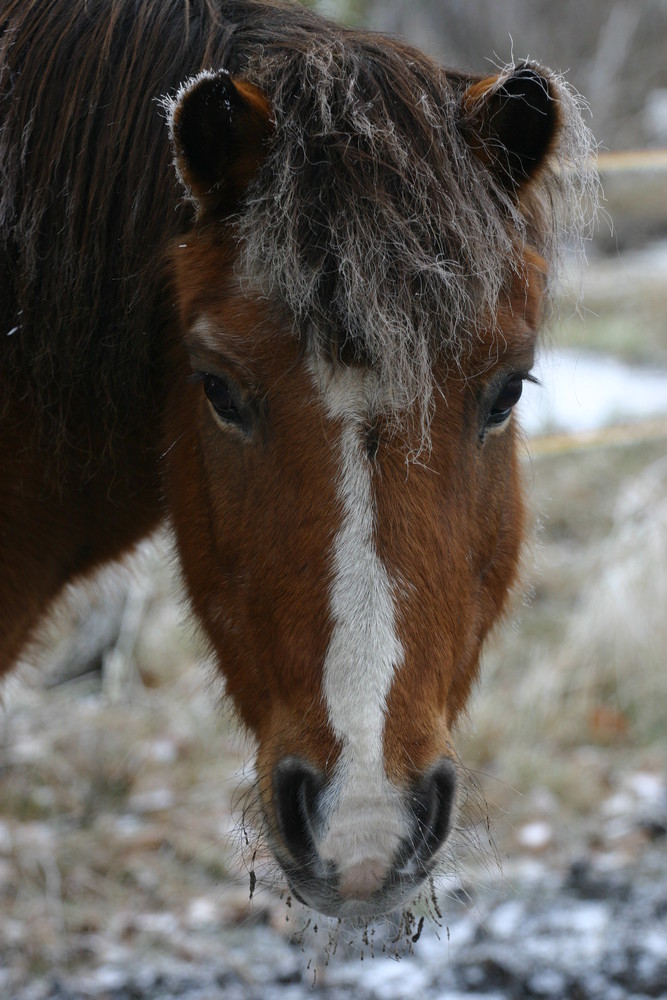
(219, 127)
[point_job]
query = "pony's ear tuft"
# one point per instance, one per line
(512, 123)
(219, 127)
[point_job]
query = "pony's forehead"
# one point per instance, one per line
(226, 321)
(375, 222)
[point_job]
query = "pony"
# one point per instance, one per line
(279, 283)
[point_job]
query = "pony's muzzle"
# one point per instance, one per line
(375, 875)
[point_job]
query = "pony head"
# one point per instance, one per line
(354, 314)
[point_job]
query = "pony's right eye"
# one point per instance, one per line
(223, 398)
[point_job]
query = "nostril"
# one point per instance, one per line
(432, 805)
(296, 787)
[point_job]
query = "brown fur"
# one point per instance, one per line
(88, 202)
(459, 558)
(356, 206)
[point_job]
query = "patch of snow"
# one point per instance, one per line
(583, 391)
(202, 913)
(393, 980)
(126, 825)
(654, 941)
(647, 787)
(618, 804)
(154, 800)
(164, 924)
(504, 922)
(162, 751)
(468, 995)
(105, 979)
(536, 836)
(548, 983)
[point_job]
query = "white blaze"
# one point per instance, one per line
(366, 818)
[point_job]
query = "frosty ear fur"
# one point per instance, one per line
(219, 127)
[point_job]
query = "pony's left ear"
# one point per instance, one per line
(219, 127)
(511, 123)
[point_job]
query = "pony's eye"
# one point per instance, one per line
(508, 396)
(222, 398)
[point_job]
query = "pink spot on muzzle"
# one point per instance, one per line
(362, 880)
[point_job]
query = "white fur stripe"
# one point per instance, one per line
(366, 818)
(364, 649)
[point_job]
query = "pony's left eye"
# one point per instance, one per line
(506, 399)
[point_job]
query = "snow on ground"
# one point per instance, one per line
(582, 391)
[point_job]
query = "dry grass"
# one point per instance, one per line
(573, 693)
(625, 301)
(116, 793)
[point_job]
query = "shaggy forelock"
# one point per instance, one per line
(371, 218)
(377, 225)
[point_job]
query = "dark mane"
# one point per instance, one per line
(370, 218)
(86, 181)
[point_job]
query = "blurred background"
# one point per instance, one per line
(124, 861)
(611, 50)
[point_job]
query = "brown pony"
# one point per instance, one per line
(308, 365)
